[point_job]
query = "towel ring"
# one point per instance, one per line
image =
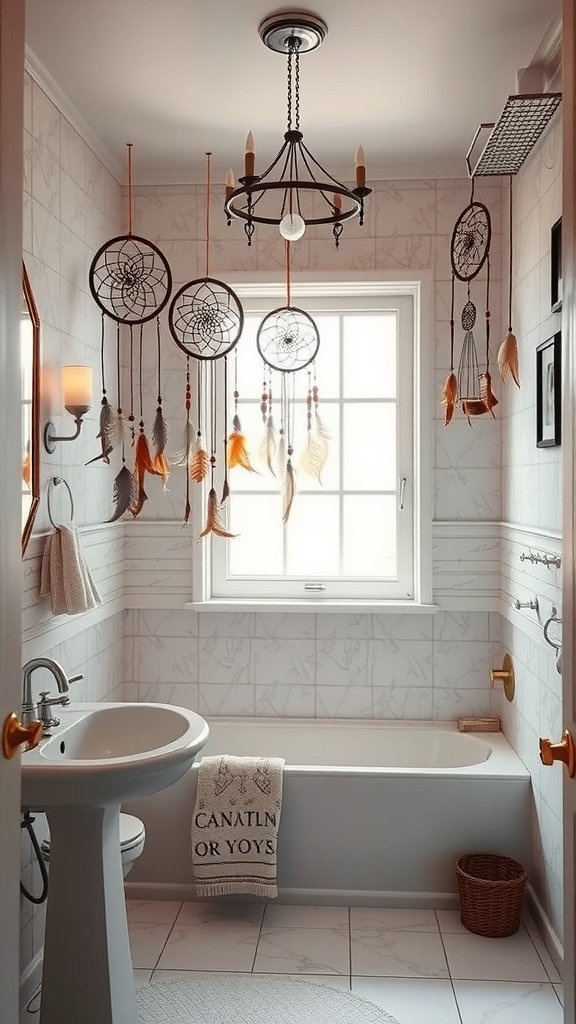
(53, 482)
(546, 627)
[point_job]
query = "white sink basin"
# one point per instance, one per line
(103, 754)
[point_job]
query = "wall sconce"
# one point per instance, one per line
(77, 391)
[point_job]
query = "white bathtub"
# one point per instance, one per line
(372, 811)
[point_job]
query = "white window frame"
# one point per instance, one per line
(263, 292)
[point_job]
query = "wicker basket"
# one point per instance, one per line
(491, 890)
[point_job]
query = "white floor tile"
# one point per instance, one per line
(559, 990)
(162, 975)
(152, 911)
(392, 920)
(397, 954)
(303, 951)
(141, 976)
(543, 953)
(147, 942)
(206, 947)
(282, 915)
(220, 912)
(476, 958)
(410, 1000)
(483, 1002)
(449, 921)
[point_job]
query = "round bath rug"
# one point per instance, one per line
(252, 999)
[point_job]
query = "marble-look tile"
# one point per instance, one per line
(142, 976)
(462, 664)
(45, 120)
(475, 958)
(341, 662)
(273, 625)
(342, 626)
(173, 659)
(410, 702)
(405, 212)
(402, 627)
(152, 911)
(392, 920)
(341, 982)
(344, 702)
(216, 625)
(463, 445)
(147, 942)
(164, 623)
(410, 1000)
(449, 921)
(461, 626)
(404, 252)
(224, 660)
(401, 662)
(283, 915)
(559, 990)
(448, 704)
(283, 661)
(394, 954)
(292, 701)
(538, 942)
(468, 493)
(211, 947)
(215, 699)
(303, 951)
(221, 912)
(183, 695)
(507, 1003)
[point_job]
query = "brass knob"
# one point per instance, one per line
(563, 751)
(14, 734)
(505, 675)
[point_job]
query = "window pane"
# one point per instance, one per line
(258, 548)
(370, 356)
(313, 536)
(369, 535)
(369, 438)
(328, 358)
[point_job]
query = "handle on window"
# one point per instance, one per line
(402, 491)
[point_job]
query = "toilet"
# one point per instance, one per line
(132, 837)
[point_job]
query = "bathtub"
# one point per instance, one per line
(373, 812)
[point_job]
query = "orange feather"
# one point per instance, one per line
(486, 393)
(238, 452)
(214, 522)
(449, 396)
(508, 358)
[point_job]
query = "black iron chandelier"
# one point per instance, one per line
(295, 190)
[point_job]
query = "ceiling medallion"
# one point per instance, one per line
(295, 191)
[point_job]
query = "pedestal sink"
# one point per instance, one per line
(99, 756)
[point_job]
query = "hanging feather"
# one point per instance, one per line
(214, 522)
(237, 450)
(508, 358)
(225, 492)
(321, 428)
(288, 491)
(159, 432)
(269, 445)
(143, 464)
(124, 494)
(103, 457)
(281, 455)
(473, 407)
(162, 468)
(199, 463)
(182, 456)
(314, 456)
(486, 393)
(449, 396)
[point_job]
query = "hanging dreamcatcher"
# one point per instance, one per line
(508, 351)
(469, 251)
(206, 320)
(288, 341)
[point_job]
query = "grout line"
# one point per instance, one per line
(258, 939)
(350, 946)
(448, 968)
(527, 930)
(166, 941)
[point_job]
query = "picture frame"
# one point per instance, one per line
(548, 392)
(556, 266)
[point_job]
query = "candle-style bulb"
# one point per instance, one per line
(337, 201)
(230, 183)
(249, 154)
(360, 168)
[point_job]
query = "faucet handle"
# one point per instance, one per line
(76, 679)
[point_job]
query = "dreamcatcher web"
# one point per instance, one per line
(130, 279)
(470, 243)
(288, 339)
(206, 318)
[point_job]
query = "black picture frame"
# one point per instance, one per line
(549, 392)
(556, 266)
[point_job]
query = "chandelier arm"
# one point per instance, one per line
(306, 153)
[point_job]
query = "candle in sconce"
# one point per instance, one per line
(360, 168)
(249, 155)
(77, 386)
(230, 183)
(337, 201)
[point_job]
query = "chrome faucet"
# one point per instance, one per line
(62, 682)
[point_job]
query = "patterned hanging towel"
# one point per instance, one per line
(235, 825)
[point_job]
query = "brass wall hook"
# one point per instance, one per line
(506, 676)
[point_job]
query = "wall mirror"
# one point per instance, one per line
(30, 392)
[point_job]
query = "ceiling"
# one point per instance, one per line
(409, 79)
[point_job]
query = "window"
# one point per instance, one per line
(350, 537)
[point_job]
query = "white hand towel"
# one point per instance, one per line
(65, 575)
(235, 825)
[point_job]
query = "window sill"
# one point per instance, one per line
(349, 607)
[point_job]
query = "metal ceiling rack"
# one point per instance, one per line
(514, 134)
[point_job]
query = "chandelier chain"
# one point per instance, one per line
(289, 88)
(297, 89)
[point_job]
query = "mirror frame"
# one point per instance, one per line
(35, 427)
